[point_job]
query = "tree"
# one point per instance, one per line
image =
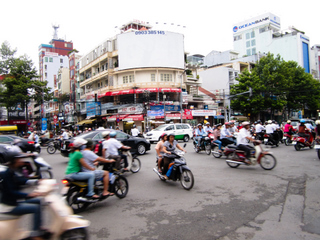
(276, 85)
(19, 77)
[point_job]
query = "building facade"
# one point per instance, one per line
(263, 34)
(139, 67)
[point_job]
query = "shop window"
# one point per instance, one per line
(125, 79)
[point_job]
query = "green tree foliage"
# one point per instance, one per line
(276, 85)
(20, 77)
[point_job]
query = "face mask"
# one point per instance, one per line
(82, 147)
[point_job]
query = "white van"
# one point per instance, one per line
(182, 131)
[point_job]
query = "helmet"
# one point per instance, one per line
(199, 125)
(79, 142)
(302, 121)
(207, 123)
(172, 134)
(288, 121)
(226, 123)
(258, 121)
(273, 121)
(113, 134)
(245, 124)
(89, 143)
(269, 121)
(62, 130)
(163, 135)
(13, 154)
(134, 126)
(89, 129)
(105, 134)
(317, 122)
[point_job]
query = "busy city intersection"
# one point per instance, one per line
(247, 202)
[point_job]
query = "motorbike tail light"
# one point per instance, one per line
(96, 149)
(64, 181)
(31, 142)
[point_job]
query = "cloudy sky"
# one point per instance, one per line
(208, 23)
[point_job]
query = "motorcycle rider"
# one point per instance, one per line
(75, 163)
(207, 128)
(112, 147)
(259, 128)
(317, 129)
(216, 135)
(159, 150)
(199, 133)
(302, 130)
(288, 128)
(242, 140)
(168, 147)
(92, 160)
(270, 131)
(64, 135)
(10, 202)
(225, 136)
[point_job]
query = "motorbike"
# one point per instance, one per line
(288, 138)
(53, 146)
(75, 191)
(63, 224)
(44, 142)
(205, 144)
(178, 170)
(235, 157)
(38, 168)
(134, 163)
(215, 149)
(267, 140)
(317, 147)
(301, 142)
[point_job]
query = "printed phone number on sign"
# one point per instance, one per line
(149, 32)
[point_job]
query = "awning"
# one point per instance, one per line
(114, 117)
(139, 90)
(86, 122)
(134, 117)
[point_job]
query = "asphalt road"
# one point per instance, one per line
(225, 203)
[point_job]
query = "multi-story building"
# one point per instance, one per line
(131, 72)
(263, 34)
(315, 61)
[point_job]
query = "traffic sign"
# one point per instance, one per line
(55, 118)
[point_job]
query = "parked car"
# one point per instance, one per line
(182, 131)
(26, 145)
(138, 145)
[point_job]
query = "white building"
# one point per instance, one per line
(263, 34)
(315, 61)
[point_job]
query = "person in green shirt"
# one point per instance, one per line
(75, 163)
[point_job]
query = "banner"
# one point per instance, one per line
(44, 124)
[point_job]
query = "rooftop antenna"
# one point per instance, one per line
(55, 33)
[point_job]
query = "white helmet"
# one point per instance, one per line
(245, 123)
(317, 122)
(105, 133)
(269, 121)
(79, 142)
(288, 121)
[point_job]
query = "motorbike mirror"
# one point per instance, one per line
(170, 146)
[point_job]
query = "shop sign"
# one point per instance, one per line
(133, 109)
(43, 124)
(169, 108)
(203, 113)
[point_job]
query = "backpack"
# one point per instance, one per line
(98, 148)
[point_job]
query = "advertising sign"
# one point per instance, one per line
(44, 124)
(93, 109)
(169, 108)
(203, 113)
(16, 112)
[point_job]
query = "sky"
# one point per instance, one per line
(208, 23)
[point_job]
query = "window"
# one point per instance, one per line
(253, 51)
(247, 35)
(61, 60)
(178, 126)
(253, 34)
(46, 59)
(71, 73)
(97, 137)
(153, 77)
(249, 52)
(169, 128)
(261, 30)
(184, 126)
(253, 42)
(125, 79)
(71, 63)
(68, 45)
(166, 77)
(236, 38)
(50, 59)
(45, 67)
(131, 78)
(45, 75)
(248, 43)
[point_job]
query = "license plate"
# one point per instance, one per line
(284, 138)
(266, 140)
(317, 147)
(294, 142)
(64, 190)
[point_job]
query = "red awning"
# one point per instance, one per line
(134, 117)
(114, 117)
(139, 90)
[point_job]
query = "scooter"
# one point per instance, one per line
(287, 138)
(75, 191)
(45, 141)
(267, 140)
(235, 157)
(205, 144)
(53, 146)
(63, 224)
(301, 142)
(177, 170)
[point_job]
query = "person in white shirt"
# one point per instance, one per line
(207, 128)
(135, 131)
(225, 136)
(65, 134)
(259, 129)
(270, 129)
(243, 139)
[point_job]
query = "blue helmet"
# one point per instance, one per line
(302, 121)
(113, 134)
